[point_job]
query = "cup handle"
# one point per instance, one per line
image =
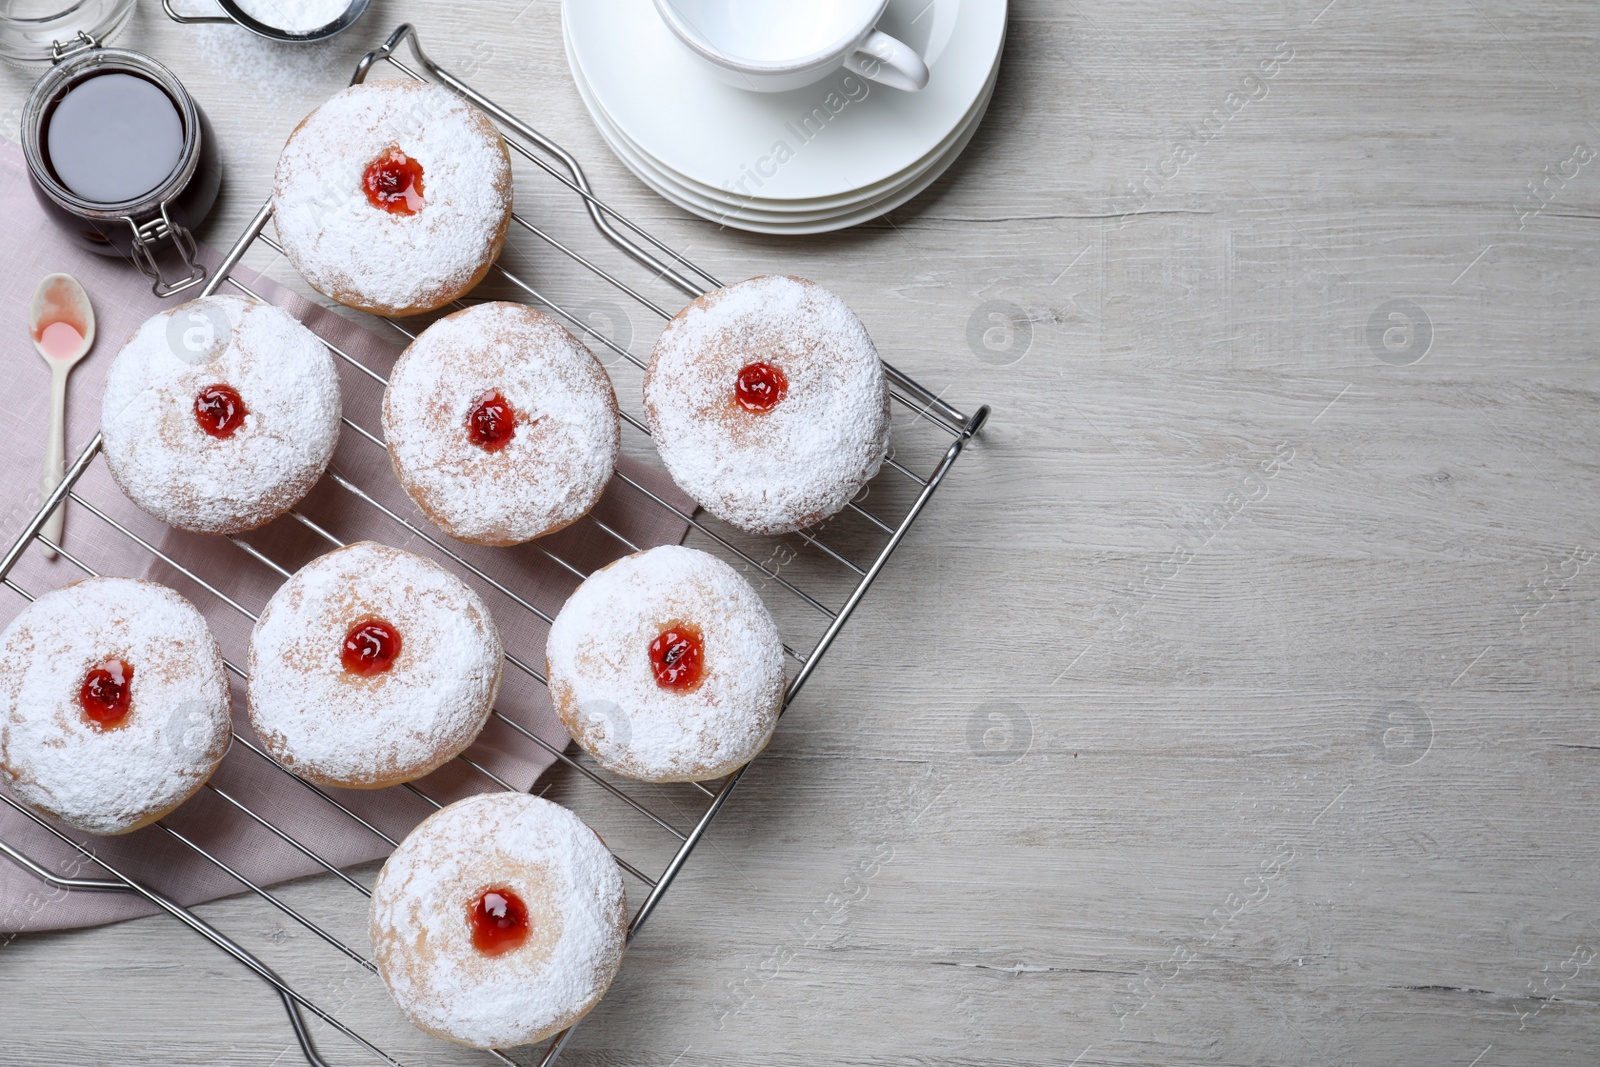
(889, 61)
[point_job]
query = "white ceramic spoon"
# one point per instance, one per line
(61, 323)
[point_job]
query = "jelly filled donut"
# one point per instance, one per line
(499, 921)
(370, 667)
(666, 666)
(768, 403)
(220, 414)
(113, 705)
(393, 197)
(500, 425)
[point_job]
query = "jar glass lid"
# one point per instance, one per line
(40, 31)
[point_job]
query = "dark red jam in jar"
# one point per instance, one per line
(220, 410)
(121, 157)
(760, 387)
(106, 693)
(370, 647)
(114, 137)
(394, 183)
(492, 422)
(678, 657)
(499, 921)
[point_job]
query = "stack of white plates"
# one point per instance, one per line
(830, 155)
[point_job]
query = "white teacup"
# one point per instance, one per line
(772, 46)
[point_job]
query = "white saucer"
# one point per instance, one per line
(781, 216)
(811, 204)
(740, 217)
(720, 142)
(814, 207)
(736, 212)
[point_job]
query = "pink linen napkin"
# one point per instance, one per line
(30, 248)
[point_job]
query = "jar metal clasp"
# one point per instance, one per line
(148, 235)
(83, 42)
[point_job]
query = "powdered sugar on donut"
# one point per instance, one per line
(363, 255)
(421, 934)
(162, 458)
(177, 727)
(803, 460)
(567, 431)
(339, 728)
(605, 688)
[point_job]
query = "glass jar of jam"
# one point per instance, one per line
(122, 158)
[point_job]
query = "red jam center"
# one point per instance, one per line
(394, 183)
(499, 922)
(678, 657)
(220, 410)
(760, 387)
(492, 422)
(106, 693)
(370, 647)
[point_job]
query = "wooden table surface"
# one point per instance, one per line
(1235, 701)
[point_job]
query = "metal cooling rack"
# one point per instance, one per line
(924, 408)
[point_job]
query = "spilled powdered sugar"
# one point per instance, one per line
(604, 686)
(173, 469)
(347, 248)
(803, 460)
(177, 728)
(421, 933)
(332, 726)
(567, 430)
(280, 76)
(295, 16)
